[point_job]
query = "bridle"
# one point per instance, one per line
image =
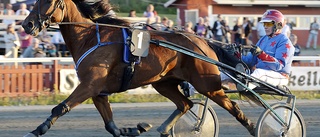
(47, 20)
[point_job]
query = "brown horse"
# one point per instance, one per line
(101, 71)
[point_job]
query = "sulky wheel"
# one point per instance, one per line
(185, 126)
(269, 126)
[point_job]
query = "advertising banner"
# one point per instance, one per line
(304, 78)
(68, 81)
(301, 79)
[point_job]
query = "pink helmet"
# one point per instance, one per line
(274, 16)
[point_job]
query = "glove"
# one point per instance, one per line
(255, 50)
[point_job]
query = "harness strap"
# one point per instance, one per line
(129, 70)
(99, 44)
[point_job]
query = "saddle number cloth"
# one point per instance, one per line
(140, 43)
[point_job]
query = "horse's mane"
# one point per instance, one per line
(98, 12)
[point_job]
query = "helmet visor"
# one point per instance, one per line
(268, 24)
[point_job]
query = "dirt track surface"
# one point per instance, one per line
(85, 121)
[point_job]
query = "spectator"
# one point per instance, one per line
(313, 34)
(58, 41)
(149, 12)
(8, 11)
(22, 11)
(237, 31)
(45, 41)
(155, 13)
(32, 49)
(12, 42)
(38, 53)
(1, 9)
(44, 37)
(170, 25)
(157, 24)
(297, 48)
(148, 24)
(157, 20)
(188, 27)
(208, 33)
(200, 28)
(286, 29)
(226, 32)
(51, 49)
(164, 21)
(132, 13)
(260, 29)
(290, 24)
(217, 29)
(247, 29)
(25, 39)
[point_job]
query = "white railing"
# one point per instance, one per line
(43, 60)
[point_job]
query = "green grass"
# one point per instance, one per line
(55, 99)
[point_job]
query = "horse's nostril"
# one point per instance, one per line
(30, 25)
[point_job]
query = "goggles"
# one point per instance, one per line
(268, 24)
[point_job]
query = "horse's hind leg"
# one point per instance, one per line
(232, 107)
(170, 90)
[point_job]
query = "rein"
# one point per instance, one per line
(90, 23)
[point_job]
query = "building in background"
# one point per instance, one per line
(299, 13)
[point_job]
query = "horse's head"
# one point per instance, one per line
(44, 13)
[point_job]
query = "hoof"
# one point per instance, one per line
(30, 135)
(144, 127)
(129, 132)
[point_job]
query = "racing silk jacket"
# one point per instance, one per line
(277, 54)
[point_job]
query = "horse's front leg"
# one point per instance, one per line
(103, 106)
(80, 94)
(170, 90)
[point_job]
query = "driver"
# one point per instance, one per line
(271, 58)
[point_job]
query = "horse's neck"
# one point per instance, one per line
(74, 17)
(74, 32)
